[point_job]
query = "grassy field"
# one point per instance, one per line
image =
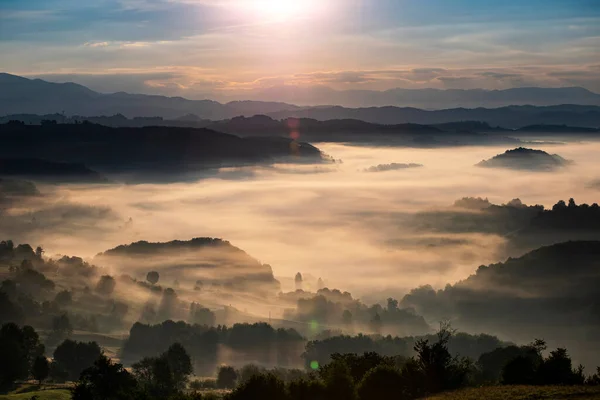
(523, 393)
(45, 392)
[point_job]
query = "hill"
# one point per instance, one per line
(151, 150)
(525, 159)
(550, 292)
(214, 262)
(357, 131)
(17, 188)
(42, 170)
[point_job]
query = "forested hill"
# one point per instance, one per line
(151, 149)
(210, 262)
(550, 292)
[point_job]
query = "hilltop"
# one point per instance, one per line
(526, 159)
(214, 262)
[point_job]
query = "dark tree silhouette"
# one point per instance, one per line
(19, 347)
(105, 380)
(74, 357)
(338, 381)
(40, 369)
(152, 277)
(264, 387)
(106, 285)
(307, 389)
(521, 370)
(226, 377)
(179, 363)
(381, 383)
(298, 281)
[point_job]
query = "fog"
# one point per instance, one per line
(350, 227)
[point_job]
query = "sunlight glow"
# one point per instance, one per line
(283, 10)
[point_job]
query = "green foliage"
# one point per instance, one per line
(533, 369)
(152, 277)
(226, 377)
(179, 363)
(105, 380)
(40, 369)
(338, 381)
(165, 375)
(307, 389)
(74, 357)
(263, 387)
(381, 383)
(106, 285)
(19, 347)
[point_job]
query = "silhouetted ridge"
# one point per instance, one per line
(156, 150)
(144, 248)
(37, 169)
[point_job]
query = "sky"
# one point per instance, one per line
(235, 49)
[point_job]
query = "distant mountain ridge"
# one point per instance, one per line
(431, 98)
(20, 95)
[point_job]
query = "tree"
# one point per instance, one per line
(152, 277)
(263, 387)
(105, 380)
(247, 372)
(74, 357)
(320, 284)
(557, 369)
(165, 375)
(338, 381)
(381, 383)
(303, 389)
(64, 298)
(439, 370)
(9, 311)
(40, 369)
(39, 252)
(298, 281)
(106, 285)
(61, 326)
(19, 347)
(179, 363)
(226, 377)
(392, 304)
(376, 323)
(520, 370)
(347, 318)
(201, 315)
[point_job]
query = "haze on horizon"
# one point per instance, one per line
(241, 49)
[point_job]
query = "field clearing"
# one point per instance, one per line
(522, 393)
(26, 392)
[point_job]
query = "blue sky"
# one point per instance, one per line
(234, 48)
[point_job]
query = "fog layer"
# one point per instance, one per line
(350, 227)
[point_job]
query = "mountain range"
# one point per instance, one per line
(520, 107)
(430, 98)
